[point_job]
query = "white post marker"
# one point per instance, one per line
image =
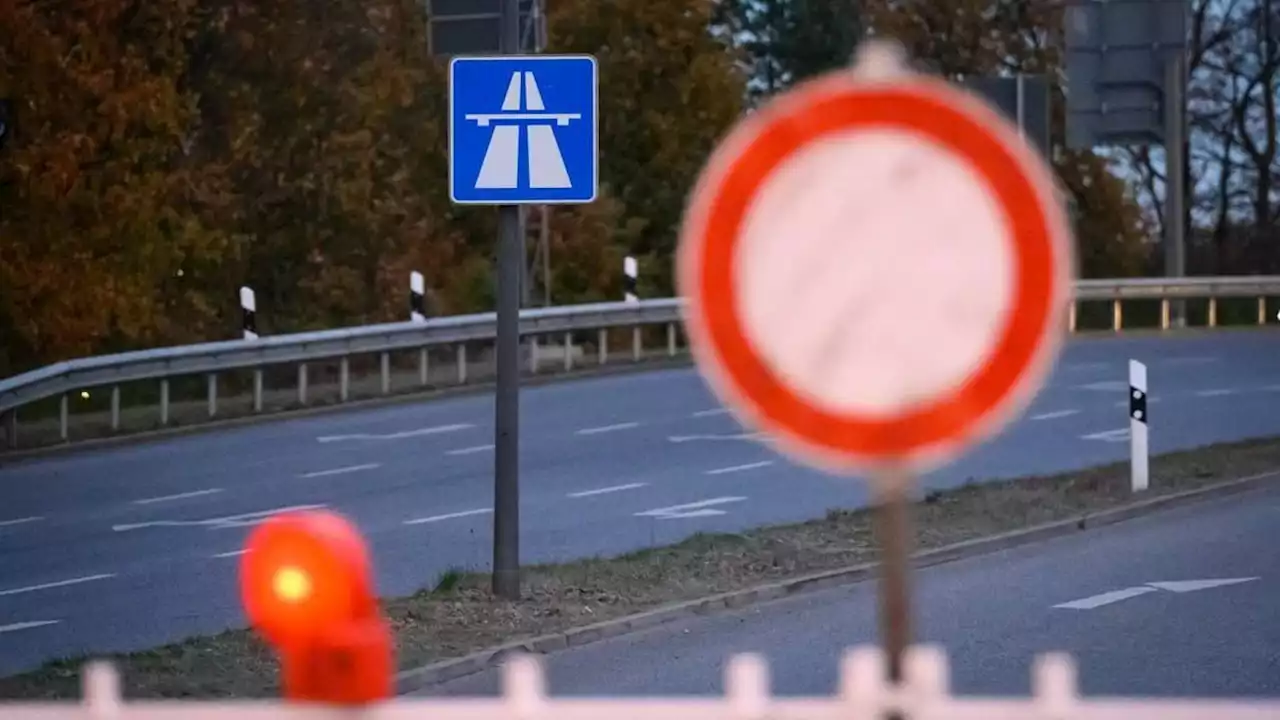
(417, 297)
(249, 310)
(630, 274)
(1139, 451)
(876, 270)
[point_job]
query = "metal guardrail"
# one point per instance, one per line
(863, 694)
(300, 349)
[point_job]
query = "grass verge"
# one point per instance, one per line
(459, 616)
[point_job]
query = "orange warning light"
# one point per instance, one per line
(306, 586)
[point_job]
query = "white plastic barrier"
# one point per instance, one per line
(863, 693)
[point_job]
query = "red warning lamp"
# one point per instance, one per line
(306, 587)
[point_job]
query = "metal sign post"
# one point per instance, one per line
(522, 131)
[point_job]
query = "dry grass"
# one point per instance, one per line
(459, 616)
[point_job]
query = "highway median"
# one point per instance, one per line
(457, 626)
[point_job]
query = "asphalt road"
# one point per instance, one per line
(1124, 600)
(134, 546)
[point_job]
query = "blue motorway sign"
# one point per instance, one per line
(523, 130)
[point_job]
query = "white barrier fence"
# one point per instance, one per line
(864, 693)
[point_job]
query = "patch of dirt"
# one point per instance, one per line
(460, 615)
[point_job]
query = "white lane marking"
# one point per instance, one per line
(1096, 601)
(449, 516)
(218, 523)
(58, 584)
(1106, 386)
(607, 428)
(233, 553)
(605, 490)
(341, 470)
(437, 430)
(1185, 586)
(179, 496)
(1271, 388)
(1218, 392)
(20, 521)
(740, 468)
(470, 450)
(1055, 414)
(711, 413)
(1111, 436)
(15, 627)
(691, 438)
(701, 508)
(1191, 360)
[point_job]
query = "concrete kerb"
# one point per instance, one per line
(373, 403)
(418, 679)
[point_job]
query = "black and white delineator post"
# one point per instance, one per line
(1139, 457)
(630, 271)
(417, 302)
(249, 309)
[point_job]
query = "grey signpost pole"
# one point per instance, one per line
(506, 464)
(1175, 150)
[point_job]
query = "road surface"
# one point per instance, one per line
(1178, 604)
(134, 546)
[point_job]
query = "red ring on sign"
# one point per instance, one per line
(1035, 284)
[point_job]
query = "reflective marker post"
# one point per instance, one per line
(506, 441)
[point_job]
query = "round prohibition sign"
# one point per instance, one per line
(823, 305)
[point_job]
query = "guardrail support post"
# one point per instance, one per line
(533, 355)
(568, 352)
(302, 383)
(1117, 315)
(213, 394)
(462, 363)
(10, 422)
(63, 412)
(671, 339)
(385, 362)
(424, 366)
(1262, 310)
(164, 402)
(115, 407)
(257, 391)
(1164, 314)
(344, 379)
(635, 343)
(603, 349)
(1213, 312)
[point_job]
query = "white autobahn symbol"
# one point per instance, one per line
(502, 158)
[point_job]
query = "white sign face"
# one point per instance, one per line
(875, 270)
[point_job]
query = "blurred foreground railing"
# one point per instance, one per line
(863, 695)
(138, 391)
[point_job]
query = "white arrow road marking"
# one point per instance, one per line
(701, 508)
(1177, 586)
(1111, 436)
(218, 523)
(1097, 601)
(1184, 586)
(437, 430)
(691, 438)
(15, 627)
